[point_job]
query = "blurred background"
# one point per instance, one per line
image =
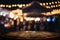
(32, 15)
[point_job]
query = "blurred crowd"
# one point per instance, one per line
(7, 25)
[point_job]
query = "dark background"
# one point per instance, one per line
(22, 1)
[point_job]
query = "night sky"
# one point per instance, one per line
(22, 1)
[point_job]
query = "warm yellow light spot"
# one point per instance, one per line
(55, 2)
(27, 5)
(21, 19)
(41, 4)
(59, 5)
(13, 5)
(47, 6)
(20, 5)
(58, 1)
(48, 13)
(27, 18)
(7, 5)
(23, 5)
(46, 3)
(37, 19)
(52, 2)
(55, 11)
(53, 5)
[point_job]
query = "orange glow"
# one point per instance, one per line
(11, 22)
(55, 11)
(21, 19)
(27, 5)
(2, 5)
(58, 1)
(47, 6)
(13, 5)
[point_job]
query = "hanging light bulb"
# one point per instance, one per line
(13, 5)
(20, 5)
(9, 6)
(6, 5)
(46, 3)
(50, 3)
(43, 3)
(1, 5)
(23, 5)
(55, 2)
(58, 1)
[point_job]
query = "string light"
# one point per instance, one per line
(9, 6)
(43, 3)
(23, 5)
(56, 5)
(40, 3)
(51, 6)
(27, 5)
(58, 1)
(1, 5)
(55, 2)
(6, 5)
(50, 3)
(13, 5)
(46, 3)
(20, 5)
(47, 6)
